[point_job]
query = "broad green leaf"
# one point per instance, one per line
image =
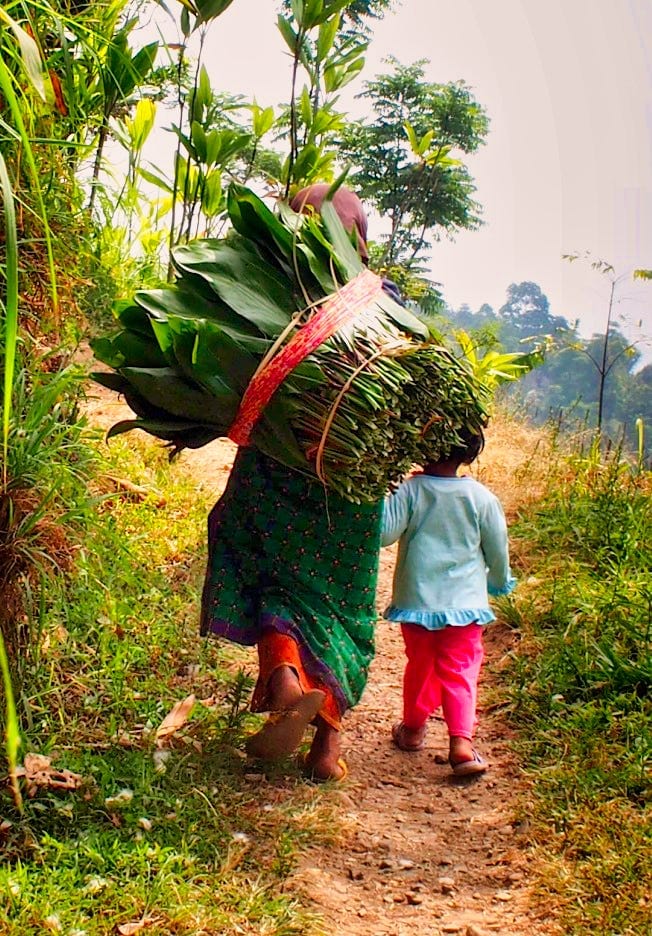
(412, 137)
(164, 388)
(355, 50)
(128, 348)
(155, 179)
(336, 76)
(189, 6)
(186, 342)
(183, 301)
(262, 120)
(351, 71)
(330, 9)
(211, 9)
(314, 248)
(285, 28)
(312, 10)
(232, 144)
(305, 106)
(326, 38)
(305, 163)
(142, 123)
(425, 142)
(252, 218)
(213, 147)
(325, 120)
(468, 347)
(131, 316)
(163, 334)
(320, 272)
(136, 70)
(187, 179)
(183, 433)
(216, 354)
(349, 261)
(212, 196)
(29, 51)
(111, 380)
(402, 317)
(223, 145)
(331, 77)
(198, 138)
(204, 90)
(252, 287)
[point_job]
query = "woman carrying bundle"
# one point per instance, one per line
(293, 569)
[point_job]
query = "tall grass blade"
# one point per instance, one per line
(7, 90)
(10, 308)
(12, 729)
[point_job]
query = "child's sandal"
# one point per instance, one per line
(466, 768)
(398, 737)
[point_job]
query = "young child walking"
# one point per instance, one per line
(452, 554)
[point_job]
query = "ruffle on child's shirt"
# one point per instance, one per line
(436, 620)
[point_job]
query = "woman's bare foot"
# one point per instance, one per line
(283, 731)
(324, 759)
(283, 689)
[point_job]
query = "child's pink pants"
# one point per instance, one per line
(442, 669)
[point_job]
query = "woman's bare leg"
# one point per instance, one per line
(283, 689)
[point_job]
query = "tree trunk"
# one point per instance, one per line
(604, 370)
(97, 165)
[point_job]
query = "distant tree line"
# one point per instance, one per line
(566, 387)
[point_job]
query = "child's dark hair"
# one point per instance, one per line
(468, 451)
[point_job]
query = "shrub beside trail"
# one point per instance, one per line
(581, 688)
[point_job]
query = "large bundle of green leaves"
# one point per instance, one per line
(378, 397)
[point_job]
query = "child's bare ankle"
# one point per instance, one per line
(460, 749)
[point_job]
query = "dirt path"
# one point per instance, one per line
(422, 853)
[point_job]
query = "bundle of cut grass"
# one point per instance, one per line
(216, 354)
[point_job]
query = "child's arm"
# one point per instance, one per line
(396, 516)
(493, 533)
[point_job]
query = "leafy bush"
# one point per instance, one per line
(44, 504)
(582, 687)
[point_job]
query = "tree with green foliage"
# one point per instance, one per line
(592, 381)
(527, 312)
(606, 356)
(403, 159)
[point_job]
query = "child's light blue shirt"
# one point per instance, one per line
(452, 552)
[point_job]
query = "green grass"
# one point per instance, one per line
(581, 692)
(203, 842)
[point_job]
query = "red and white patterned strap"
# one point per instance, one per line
(343, 307)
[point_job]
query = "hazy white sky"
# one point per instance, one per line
(568, 162)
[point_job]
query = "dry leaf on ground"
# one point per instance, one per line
(130, 929)
(174, 720)
(39, 772)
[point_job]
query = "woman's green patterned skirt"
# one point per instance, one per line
(285, 554)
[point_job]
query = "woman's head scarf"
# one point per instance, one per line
(345, 202)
